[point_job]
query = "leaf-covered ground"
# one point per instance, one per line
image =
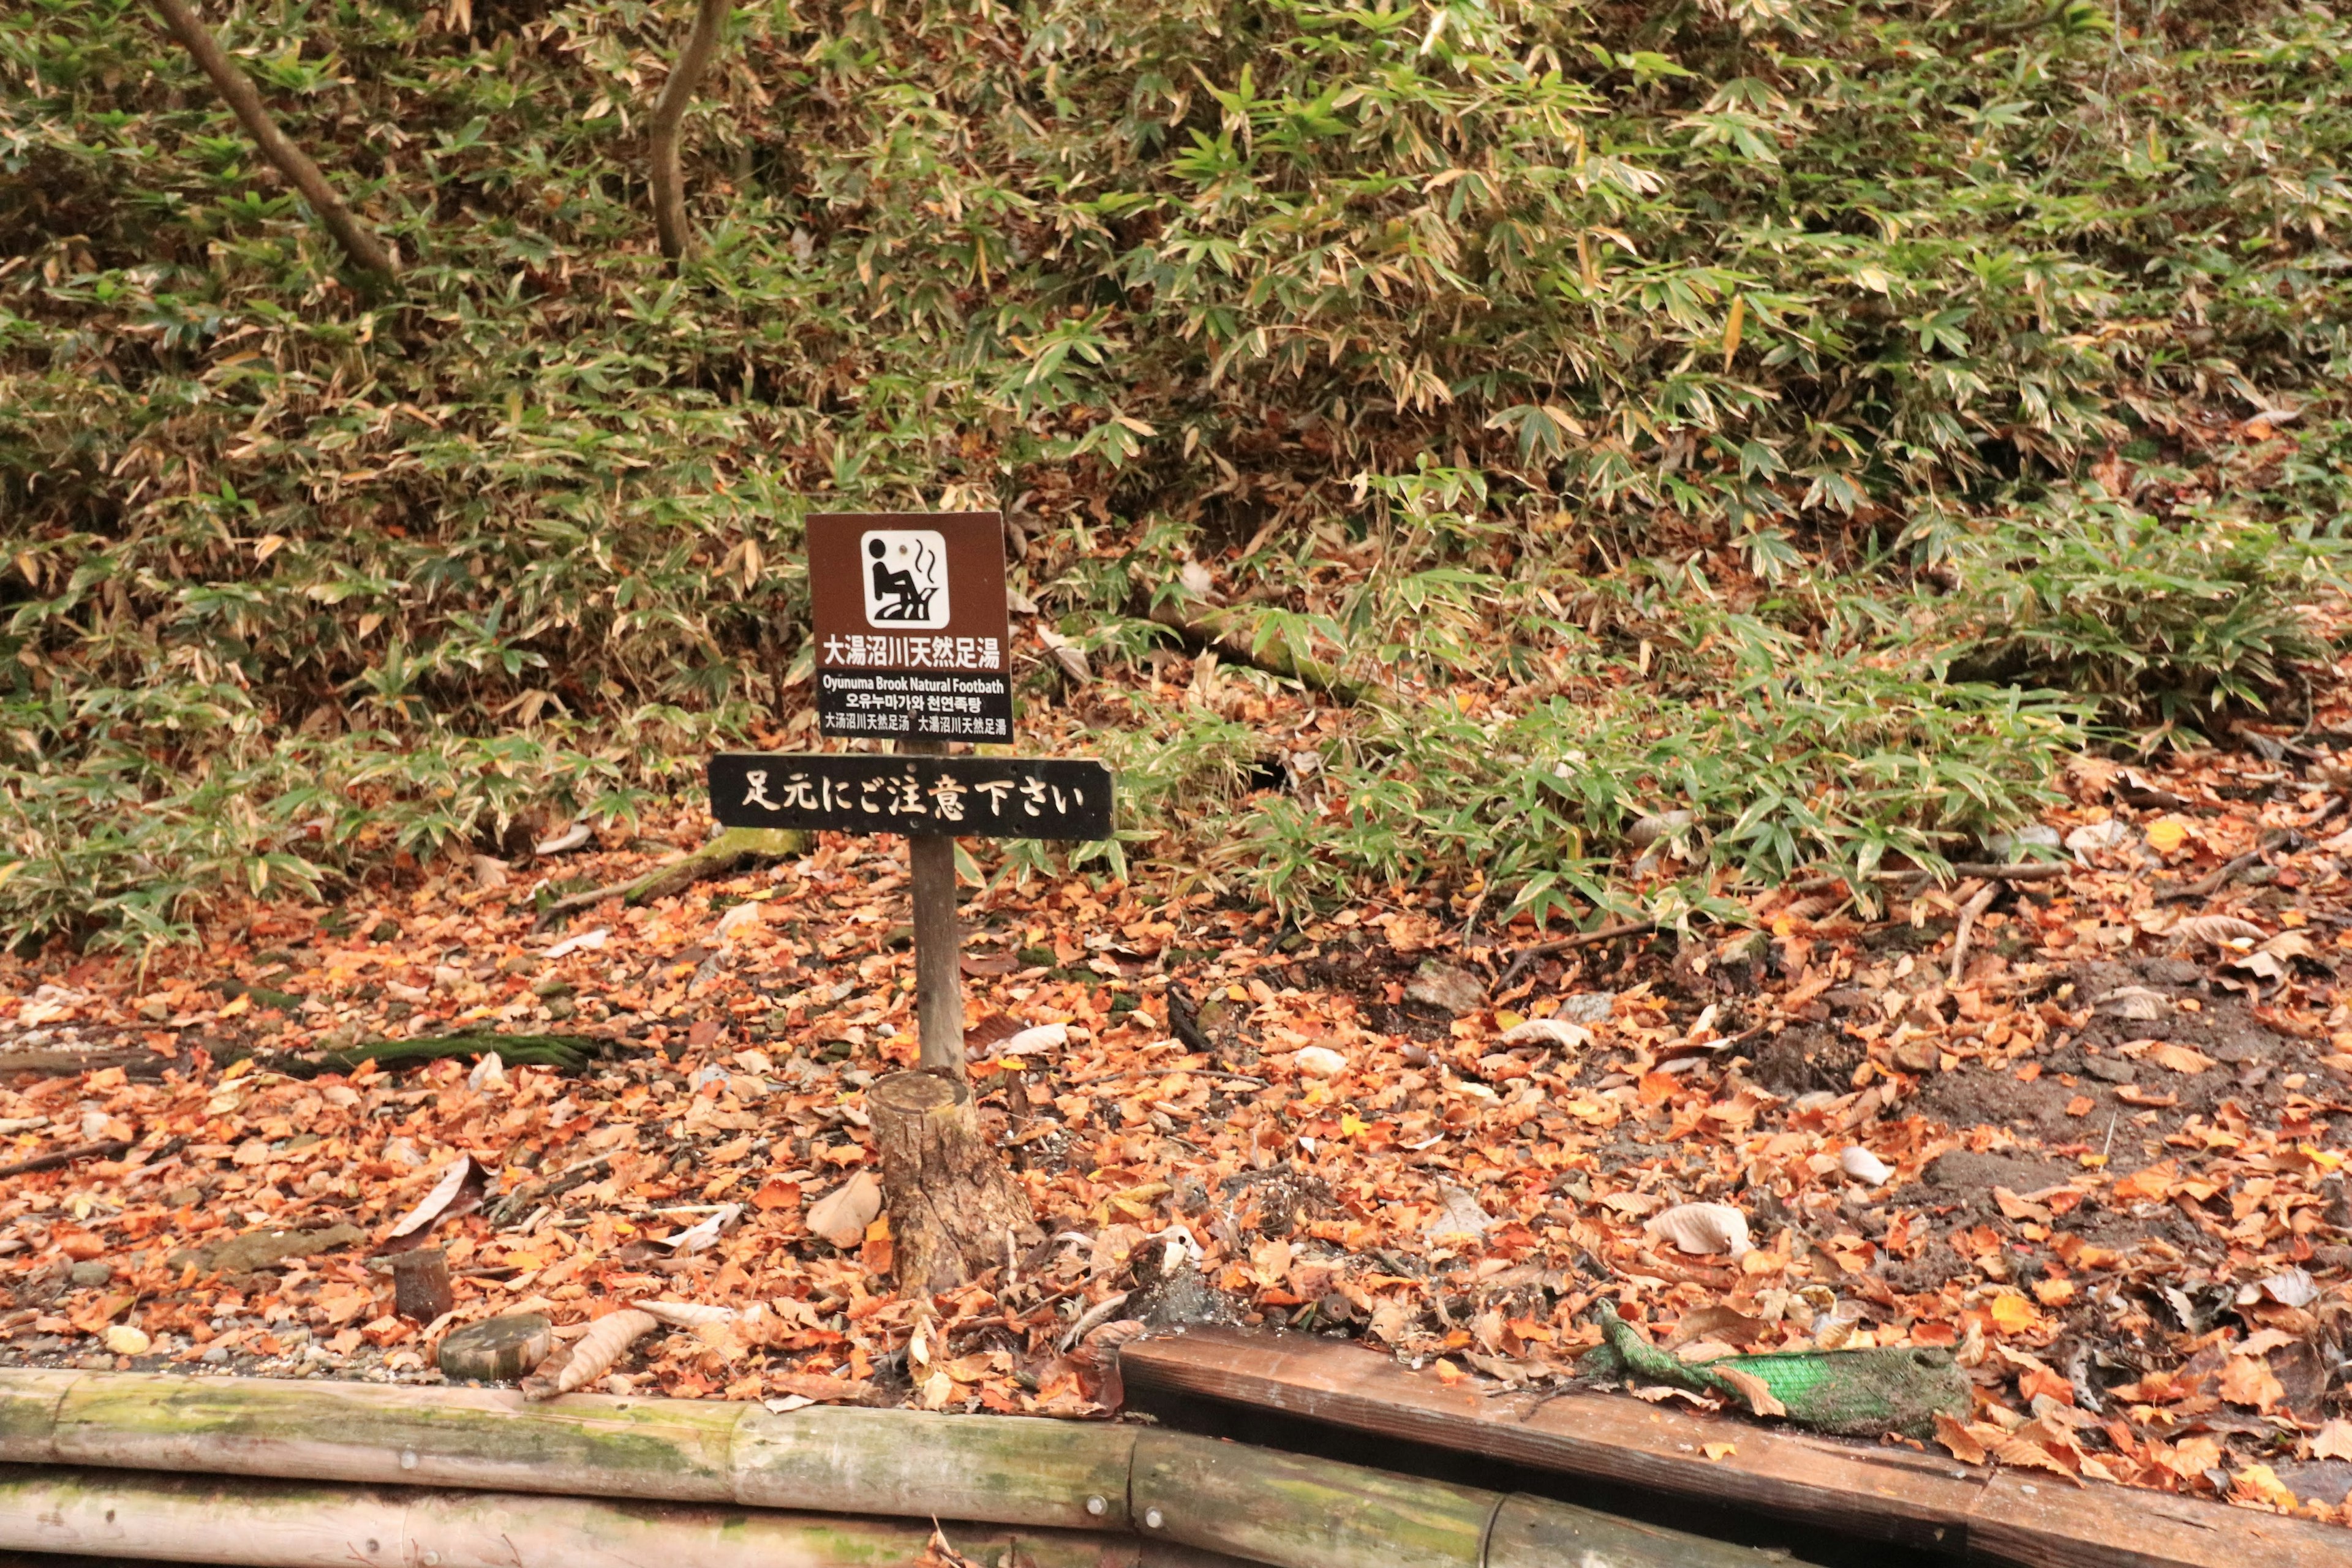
(2112, 1132)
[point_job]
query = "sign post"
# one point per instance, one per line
(913, 644)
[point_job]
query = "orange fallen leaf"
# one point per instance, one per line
(1957, 1438)
(2248, 1379)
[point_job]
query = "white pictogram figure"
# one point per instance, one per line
(906, 577)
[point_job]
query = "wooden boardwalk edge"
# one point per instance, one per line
(1873, 1493)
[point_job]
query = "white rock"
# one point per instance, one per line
(1319, 1061)
(1591, 1007)
(1716, 1229)
(124, 1340)
(1864, 1166)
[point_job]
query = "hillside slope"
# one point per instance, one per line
(1807, 418)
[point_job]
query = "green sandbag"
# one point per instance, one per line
(1851, 1393)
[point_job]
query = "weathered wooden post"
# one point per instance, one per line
(913, 644)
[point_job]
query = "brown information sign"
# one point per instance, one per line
(975, 797)
(912, 638)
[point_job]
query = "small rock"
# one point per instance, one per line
(1916, 1056)
(2106, 1070)
(1648, 830)
(124, 1340)
(1446, 988)
(88, 1275)
(214, 1355)
(1591, 1007)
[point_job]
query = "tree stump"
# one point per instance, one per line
(421, 1289)
(952, 1204)
(500, 1349)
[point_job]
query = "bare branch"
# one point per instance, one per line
(670, 222)
(358, 242)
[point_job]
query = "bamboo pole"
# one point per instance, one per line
(1284, 1509)
(281, 1524)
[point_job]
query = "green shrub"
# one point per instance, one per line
(2161, 621)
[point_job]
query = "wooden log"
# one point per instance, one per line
(672, 1449)
(1537, 1532)
(1927, 1501)
(954, 1209)
(1296, 1512)
(1011, 1469)
(1004, 1469)
(266, 1524)
(1300, 1512)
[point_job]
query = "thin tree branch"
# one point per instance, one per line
(670, 223)
(358, 242)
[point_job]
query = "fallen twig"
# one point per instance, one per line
(1977, 905)
(1529, 955)
(51, 1161)
(358, 242)
(521, 1198)
(1216, 629)
(2212, 881)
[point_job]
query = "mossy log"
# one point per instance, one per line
(1284, 1509)
(281, 1524)
(723, 855)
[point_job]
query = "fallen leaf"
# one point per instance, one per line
(2334, 1441)
(842, 1216)
(1553, 1031)
(444, 1198)
(700, 1236)
(2248, 1379)
(1702, 1229)
(1962, 1443)
(2180, 1060)
(2218, 930)
(1753, 1389)
(590, 1356)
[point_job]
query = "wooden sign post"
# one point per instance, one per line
(913, 644)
